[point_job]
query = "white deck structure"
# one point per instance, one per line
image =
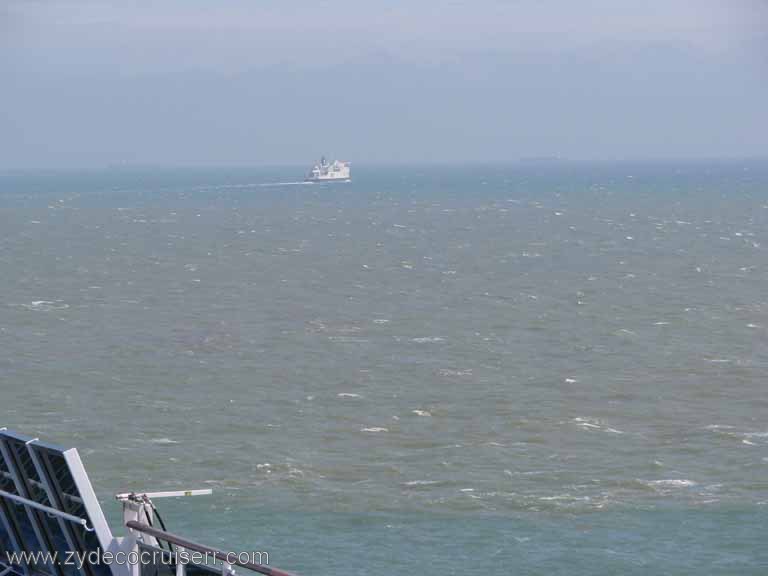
(329, 172)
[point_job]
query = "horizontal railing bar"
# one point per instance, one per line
(42, 507)
(37, 483)
(166, 494)
(189, 545)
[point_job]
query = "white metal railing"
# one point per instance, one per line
(228, 560)
(47, 509)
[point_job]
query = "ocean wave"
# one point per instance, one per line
(594, 424)
(45, 305)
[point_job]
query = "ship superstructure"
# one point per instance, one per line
(324, 171)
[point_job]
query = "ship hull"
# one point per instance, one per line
(325, 180)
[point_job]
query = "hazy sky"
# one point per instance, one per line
(88, 83)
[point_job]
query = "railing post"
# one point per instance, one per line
(135, 567)
(181, 567)
(227, 569)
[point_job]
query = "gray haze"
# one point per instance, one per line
(94, 83)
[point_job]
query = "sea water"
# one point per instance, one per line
(522, 369)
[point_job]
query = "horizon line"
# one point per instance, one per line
(527, 161)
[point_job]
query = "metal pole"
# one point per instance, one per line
(172, 494)
(47, 509)
(181, 568)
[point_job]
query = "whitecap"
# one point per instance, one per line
(589, 425)
(422, 412)
(45, 305)
(593, 424)
(672, 483)
(451, 372)
(163, 441)
(348, 395)
(374, 429)
(348, 339)
(427, 339)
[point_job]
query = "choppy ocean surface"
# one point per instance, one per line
(553, 369)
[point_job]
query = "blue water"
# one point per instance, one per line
(527, 369)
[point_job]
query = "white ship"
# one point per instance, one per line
(336, 171)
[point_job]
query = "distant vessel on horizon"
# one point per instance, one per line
(336, 171)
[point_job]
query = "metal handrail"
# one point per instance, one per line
(47, 509)
(216, 553)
